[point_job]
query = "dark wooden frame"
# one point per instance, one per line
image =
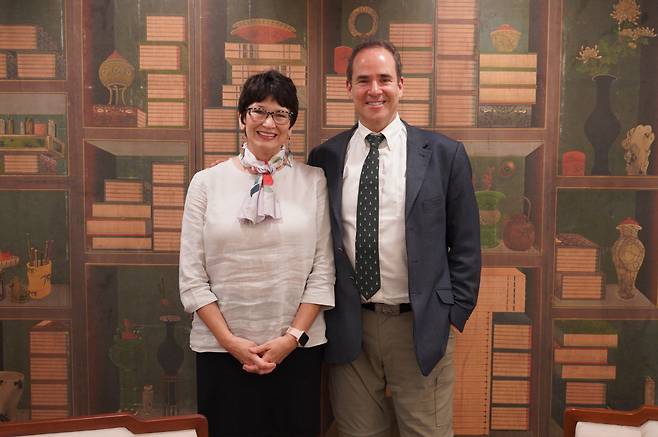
(105, 421)
(611, 417)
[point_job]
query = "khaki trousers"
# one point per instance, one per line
(421, 405)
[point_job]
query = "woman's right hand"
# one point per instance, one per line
(251, 362)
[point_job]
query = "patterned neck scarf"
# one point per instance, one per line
(261, 202)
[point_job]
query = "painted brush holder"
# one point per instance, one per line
(39, 283)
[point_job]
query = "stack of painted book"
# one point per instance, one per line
(512, 360)
(507, 89)
(160, 56)
(50, 376)
(578, 275)
(32, 60)
(168, 201)
(414, 40)
(456, 63)
(583, 363)
(502, 290)
(123, 220)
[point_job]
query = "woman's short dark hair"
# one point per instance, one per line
(269, 84)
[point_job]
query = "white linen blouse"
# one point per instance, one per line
(257, 274)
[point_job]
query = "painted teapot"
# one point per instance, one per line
(519, 231)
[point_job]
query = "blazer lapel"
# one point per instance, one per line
(418, 156)
(335, 180)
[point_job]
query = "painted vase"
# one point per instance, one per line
(627, 256)
(170, 357)
(602, 126)
(489, 217)
(170, 354)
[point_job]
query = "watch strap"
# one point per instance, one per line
(300, 336)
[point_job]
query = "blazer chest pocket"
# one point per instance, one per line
(445, 294)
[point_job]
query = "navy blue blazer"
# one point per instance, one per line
(443, 245)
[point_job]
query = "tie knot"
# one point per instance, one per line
(374, 140)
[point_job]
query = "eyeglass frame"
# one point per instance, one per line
(270, 113)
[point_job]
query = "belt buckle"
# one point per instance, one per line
(389, 310)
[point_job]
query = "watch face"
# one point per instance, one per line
(303, 339)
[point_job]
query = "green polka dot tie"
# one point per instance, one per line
(367, 222)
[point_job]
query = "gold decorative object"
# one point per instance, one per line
(505, 38)
(263, 30)
(637, 148)
(116, 74)
(39, 277)
(627, 256)
(351, 22)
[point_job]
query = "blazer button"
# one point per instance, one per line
(340, 249)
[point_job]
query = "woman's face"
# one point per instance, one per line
(265, 137)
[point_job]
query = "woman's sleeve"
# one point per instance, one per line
(320, 283)
(194, 284)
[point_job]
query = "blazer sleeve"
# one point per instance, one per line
(463, 239)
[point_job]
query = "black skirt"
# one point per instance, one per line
(236, 403)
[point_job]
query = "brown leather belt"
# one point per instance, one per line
(389, 310)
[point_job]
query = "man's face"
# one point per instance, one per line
(375, 88)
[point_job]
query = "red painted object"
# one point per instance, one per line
(341, 56)
(573, 163)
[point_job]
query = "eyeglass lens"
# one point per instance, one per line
(259, 115)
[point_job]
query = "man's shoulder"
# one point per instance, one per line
(337, 140)
(431, 138)
(331, 147)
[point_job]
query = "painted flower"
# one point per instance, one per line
(636, 33)
(619, 44)
(626, 10)
(588, 53)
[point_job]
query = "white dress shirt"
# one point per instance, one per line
(258, 274)
(392, 185)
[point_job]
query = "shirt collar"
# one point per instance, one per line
(390, 132)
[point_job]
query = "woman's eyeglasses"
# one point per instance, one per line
(259, 115)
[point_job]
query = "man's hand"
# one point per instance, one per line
(252, 362)
(277, 349)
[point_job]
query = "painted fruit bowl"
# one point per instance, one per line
(505, 38)
(263, 30)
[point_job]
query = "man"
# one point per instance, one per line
(407, 251)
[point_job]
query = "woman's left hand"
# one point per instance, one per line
(276, 350)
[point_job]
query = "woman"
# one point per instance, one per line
(256, 269)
